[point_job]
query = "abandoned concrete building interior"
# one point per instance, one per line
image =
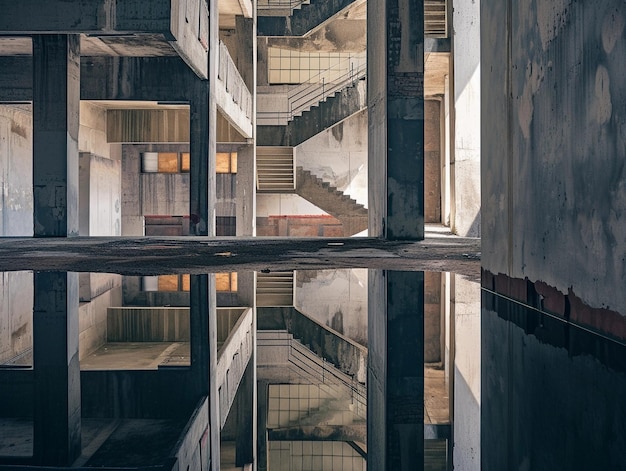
(357, 139)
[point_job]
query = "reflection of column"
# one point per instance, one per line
(395, 89)
(245, 404)
(203, 327)
(395, 383)
(57, 425)
(262, 444)
(56, 99)
(466, 299)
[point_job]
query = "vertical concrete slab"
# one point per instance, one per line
(395, 383)
(56, 109)
(395, 63)
(246, 191)
(262, 442)
(57, 408)
(465, 214)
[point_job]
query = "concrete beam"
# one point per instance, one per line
(56, 108)
(86, 16)
(165, 79)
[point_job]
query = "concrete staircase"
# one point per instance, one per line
(303, 20)
(344, 103)
(352, 215)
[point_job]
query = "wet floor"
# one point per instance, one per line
(504, 386)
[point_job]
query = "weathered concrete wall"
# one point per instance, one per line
(300, 226)
(16, 170)
(336, 298)
(465, 211)
(16, 314)
(554, 145)
(338, 156)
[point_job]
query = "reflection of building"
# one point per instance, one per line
(171, 117)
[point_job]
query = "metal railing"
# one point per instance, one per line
(228, 74)
(265, 5)
(317, 89)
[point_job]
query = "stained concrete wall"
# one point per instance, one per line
(554, 145)
(16, 170)
(16, 315)
(99, 195)
(338, 156)
(335, 298)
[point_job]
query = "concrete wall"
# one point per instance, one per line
(16, 315)
(465, 212)
(151, 194)
(16, 170)
(284, 204)
(339, 156)
(336, 298)
(554, 146)
(99, 195)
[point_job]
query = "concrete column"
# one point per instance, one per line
(465, 210)
(395, 382)
(56, 108)
(246, 191)
(395, 98)
(202, 196)
(203, 328)
(57, 423)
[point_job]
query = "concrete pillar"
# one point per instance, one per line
(246, 191)
(57, 423)
(465, 210)
(203, 328)
(395, 100)
(56, 109)
(395, 382)
(244, 451)
(202, 196)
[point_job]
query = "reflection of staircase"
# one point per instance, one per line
(344, 103)
(303, 20)
(353, 216)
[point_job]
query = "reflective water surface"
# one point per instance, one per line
(111, 371)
